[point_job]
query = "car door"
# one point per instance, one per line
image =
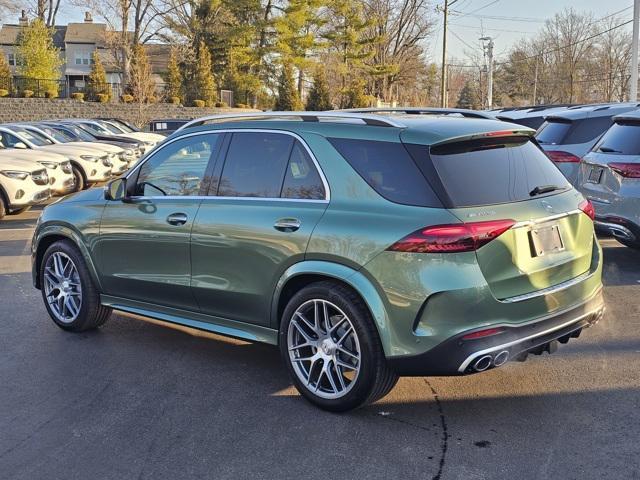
(266, 198)
(143, 249)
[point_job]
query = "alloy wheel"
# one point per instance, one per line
(62, 287)
(324, 349)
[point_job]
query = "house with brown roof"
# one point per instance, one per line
(77, 42)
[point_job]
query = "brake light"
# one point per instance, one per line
(457, 237)
(500, 133)
(482, 333)
(587, 208)
(558, 156)
(628, 170)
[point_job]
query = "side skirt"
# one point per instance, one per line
(199, 321)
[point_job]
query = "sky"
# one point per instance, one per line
(507, 21)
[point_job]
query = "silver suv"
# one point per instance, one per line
(609, 176)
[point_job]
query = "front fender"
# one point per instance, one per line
(68, 232)
(355, 279)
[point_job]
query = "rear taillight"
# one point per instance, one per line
(558, 156)
(628, 170)
(457, 237)
(587, 208)
(482, 333)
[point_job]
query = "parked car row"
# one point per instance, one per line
(56, 157)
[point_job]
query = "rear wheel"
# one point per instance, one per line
(69, 294)
(332, 349)
(78, 176)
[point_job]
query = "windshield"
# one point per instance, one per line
(35, 138)
(80, 133)
(95, 129)
(110, 128)
(57, 134)
(123, 126)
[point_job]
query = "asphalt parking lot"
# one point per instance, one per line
(136, 400)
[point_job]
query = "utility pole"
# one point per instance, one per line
(535, 82)
(633, 84)
(488, 48)
(443, 73)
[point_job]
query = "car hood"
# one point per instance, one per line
(33, 155)
(66, 149)
(91, 195)
(145, 137)
(12, 163)
(98, 147)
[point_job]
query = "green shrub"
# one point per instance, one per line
(126, 98)
(221, 105)
(51, 93)
(4, 93)
(27, 93)
(199, 103)
(174, 100)
(79, 96)
(102, 97)
(242, 105)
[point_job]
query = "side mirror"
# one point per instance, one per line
(20, 145)
(116, 190)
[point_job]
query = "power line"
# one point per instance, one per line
(480, 8)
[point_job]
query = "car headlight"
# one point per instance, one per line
(106, 162)
(51, 165)
(66, 167)
(89, 158)
(17, 174)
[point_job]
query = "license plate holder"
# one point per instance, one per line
(595, 175)
(545, 240)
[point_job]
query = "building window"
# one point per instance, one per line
(84, 58)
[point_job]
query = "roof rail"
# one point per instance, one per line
(373, 120)
(422, 111)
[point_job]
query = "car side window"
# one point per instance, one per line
(255, 165)
(177, 169)
(9, 140)
(302, 179)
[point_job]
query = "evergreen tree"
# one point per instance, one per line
(40, 59)
(319, 98)
(97, 84)
(288, 98)
(174, 76)
(354, 96)
(467, 97)
(204, 83)
(5, 73)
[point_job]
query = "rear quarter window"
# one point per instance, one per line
(621, 138)
(553, 132)
(389, 169)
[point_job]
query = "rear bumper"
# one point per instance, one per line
(456, 356)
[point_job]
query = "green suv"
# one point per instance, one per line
(366, 247)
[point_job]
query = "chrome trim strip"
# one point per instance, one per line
(305, 116)
(552, 289)
(537, 221)
(470, 358)
(327, 190)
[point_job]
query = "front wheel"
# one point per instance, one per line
(78, 176)
(70, 296)
(332, 349)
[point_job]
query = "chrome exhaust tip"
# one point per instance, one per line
(482, 363)
(501, 358)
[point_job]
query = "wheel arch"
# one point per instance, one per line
(5, 199)
(47, 237)
(304, 273)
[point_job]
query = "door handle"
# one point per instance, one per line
(177, 219)
(287, 224)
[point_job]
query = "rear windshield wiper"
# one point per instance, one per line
(544, 189)
(608, 150)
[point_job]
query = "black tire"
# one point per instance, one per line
(375, 379)
(627, 243)
(3, 207)
(91, 314)
(18, 211)
(78, 176)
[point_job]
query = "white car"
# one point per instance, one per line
(131, 132)
(88, 168)
(150, 140)
(59, 169)
(117, 155)
(23, 183)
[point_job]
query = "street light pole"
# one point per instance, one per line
(488, 48)
(633, 84)
(443, 73)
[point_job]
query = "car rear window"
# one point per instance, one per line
(490, 171)
(389, 169)
(622, 138)
(552, 132)
(578, 131)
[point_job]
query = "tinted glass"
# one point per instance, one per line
(552, 132)
(494, 171)
(588, 130)
(255, 165)
(58, 135)
(389, 169)
(8, 140)
(301, 179)
(621, 138)
(178, 168)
